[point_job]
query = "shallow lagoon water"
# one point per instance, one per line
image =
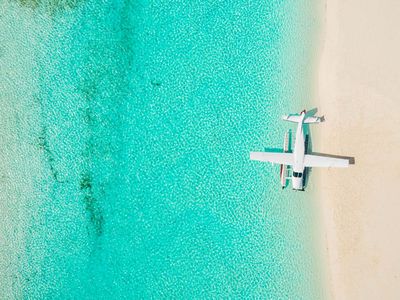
(126, 129)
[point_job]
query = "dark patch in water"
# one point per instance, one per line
(127, 30)
(50, 5)
(86, 182)
(155, 83)
(44, 146)
(88, 89)
(91, 205)
(88, 119)
(89, 86)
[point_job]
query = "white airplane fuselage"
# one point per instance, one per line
(298, 154)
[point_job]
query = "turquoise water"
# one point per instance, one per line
(126, 131)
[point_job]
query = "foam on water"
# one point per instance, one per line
(126, 131)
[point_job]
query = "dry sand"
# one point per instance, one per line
(359, 93)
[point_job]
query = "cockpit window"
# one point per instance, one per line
(297, 175)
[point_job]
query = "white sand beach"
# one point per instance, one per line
(359, 94)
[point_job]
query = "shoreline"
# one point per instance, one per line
(358, 84)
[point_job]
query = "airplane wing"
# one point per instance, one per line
(273, 157)
(325, 161)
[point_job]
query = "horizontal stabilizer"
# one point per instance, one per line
(295, 118)
(325, 161)
(310, 120)
(273, 157)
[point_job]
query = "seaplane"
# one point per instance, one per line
(294, 163)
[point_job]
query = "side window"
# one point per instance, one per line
(297, 175)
